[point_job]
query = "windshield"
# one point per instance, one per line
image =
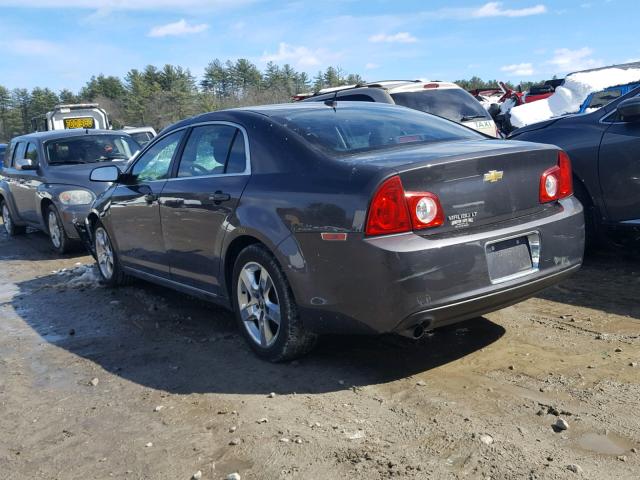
(352, 128)
(452, 103)
(142, 137)
(90, 149)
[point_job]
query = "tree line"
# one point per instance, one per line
(160, 96)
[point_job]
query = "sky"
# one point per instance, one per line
(62, 43)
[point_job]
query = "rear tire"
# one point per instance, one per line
(265, 308)
(60, 242)
(109, 267)
(7, 220)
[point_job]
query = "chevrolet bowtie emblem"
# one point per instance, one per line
(493, 176)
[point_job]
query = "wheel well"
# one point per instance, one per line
(581, 191)
(44, 205)
(236, 246)
(93, 218)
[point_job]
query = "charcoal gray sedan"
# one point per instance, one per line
(343, 217)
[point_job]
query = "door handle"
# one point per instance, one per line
(219, 197)
(150, 198)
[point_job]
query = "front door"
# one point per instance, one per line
(619, 171)
(134, 213)
(26, 186)
(195, 205)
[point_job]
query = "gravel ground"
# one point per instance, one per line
(144, 383)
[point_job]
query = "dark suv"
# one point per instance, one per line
(44, 182)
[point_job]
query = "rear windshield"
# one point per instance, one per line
(142, 137)
(452, 103)
(3, 148)
(350, 128)
(90, 149)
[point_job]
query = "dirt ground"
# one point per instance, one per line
(176, 390)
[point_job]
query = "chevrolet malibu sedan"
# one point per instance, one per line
(344, 217)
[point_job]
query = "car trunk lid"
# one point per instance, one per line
(477, 182)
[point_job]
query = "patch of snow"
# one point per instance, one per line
(568, 97)
(81, 276)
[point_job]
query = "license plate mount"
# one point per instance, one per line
(513, 257)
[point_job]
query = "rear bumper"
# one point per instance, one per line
(392, 283)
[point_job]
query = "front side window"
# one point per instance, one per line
(32, 153)
(90, 149)
(154, 164)
(18, 152)
(207, 151)
(353, 127)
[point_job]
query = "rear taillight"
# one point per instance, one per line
(557, 182)
(393, 210)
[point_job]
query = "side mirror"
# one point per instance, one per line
(26, 164)
(109, 173)
(629, 109)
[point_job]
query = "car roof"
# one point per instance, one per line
(275, 109)
(55, 134)
(394, 86)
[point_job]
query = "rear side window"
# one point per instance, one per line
(451, 103)
(352, 128)
(213, 150)
(237, 162)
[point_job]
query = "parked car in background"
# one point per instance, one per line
(72, 116)
(444, 99)
(3, 148)
(604, 148)
(142, 135)
(352, 217)
(599, 99)
(45, 183)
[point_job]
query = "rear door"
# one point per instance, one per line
(619, 170)
(134, 213)
(196, 204)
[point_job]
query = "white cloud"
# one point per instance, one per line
(177, 29)
(299, 56)
(400, 37)
(371, 66)
(523, 69)
(567, 60)
(126, 4)
(494, 9)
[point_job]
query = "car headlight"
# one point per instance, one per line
(75, 197)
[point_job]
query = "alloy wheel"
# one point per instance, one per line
(6, 218)
(104, 253)
(259, 304)
(54, 229)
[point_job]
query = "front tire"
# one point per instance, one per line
(7, 220)
(265, 308)
(109, 266)
(60, 242)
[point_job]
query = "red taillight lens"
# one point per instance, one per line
(393, 210)
(557, 182)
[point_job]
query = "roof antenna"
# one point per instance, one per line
(333, 103)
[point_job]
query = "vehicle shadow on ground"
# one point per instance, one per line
(32, 246)
(167, 341)
(608, 281)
